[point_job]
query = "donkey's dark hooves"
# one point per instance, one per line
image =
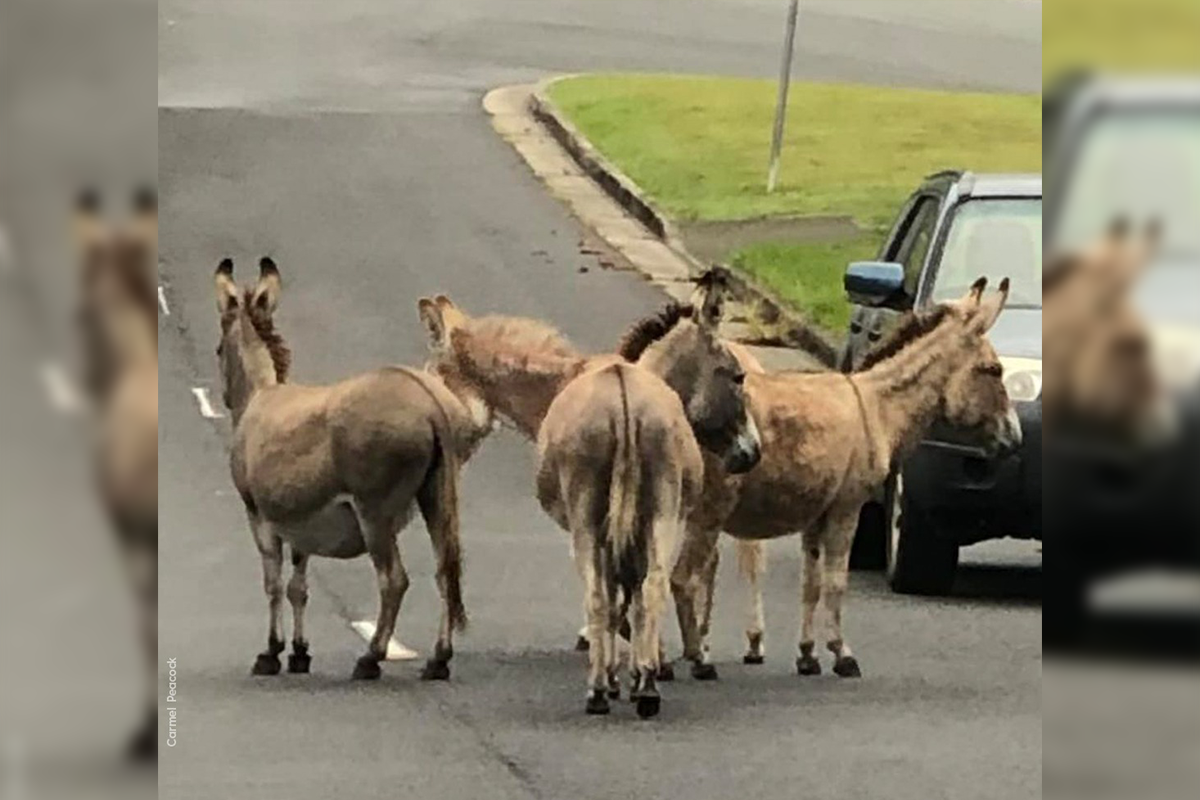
(666, 671)
(435, 671)
(704, 672)
(266, 664)
(847, 667)
(597, 703)
(808, 665)
(367, 669)
(299, 663)
(648, 705)
(581, 644)
(753, 658)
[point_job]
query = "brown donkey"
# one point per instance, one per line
(1100, 372)
(516, 366)
(336, 470)
(829, 441)
(620, 468)
(118, 316)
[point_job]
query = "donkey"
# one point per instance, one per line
(516, 367)
(335, 471)
(619, 467)
(829, 441)
(1100, 374)
(118, 316)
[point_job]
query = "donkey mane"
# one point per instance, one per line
(651, 329)
(498, 343)
(264, 327)
(912, 327)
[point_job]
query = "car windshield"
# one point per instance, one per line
(1142, 164)
(997, 238)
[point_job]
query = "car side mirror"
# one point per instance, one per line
(875, 283)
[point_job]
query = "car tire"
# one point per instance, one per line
(869, 551)
(918, 560)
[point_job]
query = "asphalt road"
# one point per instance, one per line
(346, 140)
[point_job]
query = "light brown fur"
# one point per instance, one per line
(336, 471)
(120, 330)
(1100, 375)
(829, 441)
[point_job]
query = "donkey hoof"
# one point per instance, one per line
(435, 671)
(597, 703)
(367, 669)
(648, 704)
(666, 671)
(808, 665)
(298, 663)
(753, 658)
(266, 664)
(704, 672)
(846, 667)
(581, 644)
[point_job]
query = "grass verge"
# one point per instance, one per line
(809, 276)
(699, 146)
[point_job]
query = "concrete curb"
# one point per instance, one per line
(795, 331)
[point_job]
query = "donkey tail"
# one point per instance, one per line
(446, 540)
(625, 548)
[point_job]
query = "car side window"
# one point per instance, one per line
(914, 245)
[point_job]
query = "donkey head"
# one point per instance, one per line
(441, 318)
(118, 309)
(682, 347)
(975, 398)
(1101, 371)
(251, 353)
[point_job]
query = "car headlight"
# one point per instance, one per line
(1022, 379)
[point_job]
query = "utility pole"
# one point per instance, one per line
(785, 77)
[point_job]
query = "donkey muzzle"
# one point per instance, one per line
(746, 451)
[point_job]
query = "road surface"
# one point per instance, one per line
(346, 140)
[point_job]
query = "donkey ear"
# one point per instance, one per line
(431, 317)
(145, 215)
(270, 283)
(709, 297)
(227, 291)
(89, 227)
(989, 309)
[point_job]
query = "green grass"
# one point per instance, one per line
(809, 276)
(1120, 35)
(699, 146)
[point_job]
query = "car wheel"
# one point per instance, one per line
(918, 561)
(869, 551)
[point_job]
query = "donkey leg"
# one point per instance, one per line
(141, 564)
(297, 593)
(581, 639)
(441, 520)
(707, 593)
(687, 584)
(597, 614)
(752, 563)
(838, 540)
(270, 547)
(810, 596)
(393, 583)
(648, 610)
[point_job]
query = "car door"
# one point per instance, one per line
(907, 244)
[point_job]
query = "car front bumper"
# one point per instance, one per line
(973, 496)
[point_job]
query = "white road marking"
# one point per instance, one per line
(206, 407)
(395, 651)
(62, 394)
(162, 302)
